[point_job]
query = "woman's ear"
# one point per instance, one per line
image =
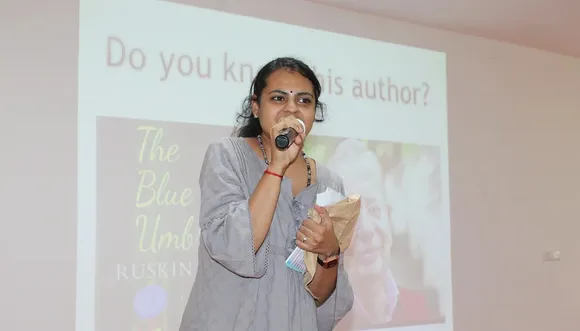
(255, 106)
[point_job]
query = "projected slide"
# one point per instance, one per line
(158, 81)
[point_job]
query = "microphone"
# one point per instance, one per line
(286, 136)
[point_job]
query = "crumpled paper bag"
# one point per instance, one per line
(344, 216)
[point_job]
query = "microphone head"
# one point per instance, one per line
(286, 137)
(282, 141)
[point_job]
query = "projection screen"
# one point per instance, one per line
(158, 81)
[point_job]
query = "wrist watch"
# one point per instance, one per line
(329, 262)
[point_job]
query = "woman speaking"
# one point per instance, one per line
(253, 213)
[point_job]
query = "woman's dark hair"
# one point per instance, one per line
(247, 125)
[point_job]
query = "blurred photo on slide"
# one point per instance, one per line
(386, 264)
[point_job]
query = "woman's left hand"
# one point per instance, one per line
(318, 238)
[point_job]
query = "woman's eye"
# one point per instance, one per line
(279, 98)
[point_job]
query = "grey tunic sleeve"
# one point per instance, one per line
(341, 300)
(226, 228)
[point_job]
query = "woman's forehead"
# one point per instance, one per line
(289, 81)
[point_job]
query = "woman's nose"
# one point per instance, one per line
(291, 106)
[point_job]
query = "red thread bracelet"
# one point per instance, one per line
(273, 174)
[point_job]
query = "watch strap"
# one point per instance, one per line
(330, 261)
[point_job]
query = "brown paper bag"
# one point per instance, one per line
(344, 216)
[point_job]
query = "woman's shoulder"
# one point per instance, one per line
(226, 150)
(226, 143)
(227, 146)
(329, 178)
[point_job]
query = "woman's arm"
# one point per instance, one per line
(263, 203)
(234, 227)
(340, 301)
(331, 285)
(323, 283)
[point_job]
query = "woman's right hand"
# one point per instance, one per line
(282, 159)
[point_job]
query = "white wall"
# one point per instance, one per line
(513, 122)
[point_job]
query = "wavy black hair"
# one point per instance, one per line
(247, 125)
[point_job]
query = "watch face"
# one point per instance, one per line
(332, 263)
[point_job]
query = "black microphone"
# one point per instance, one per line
(286, 136)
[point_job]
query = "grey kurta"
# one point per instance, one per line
(235, 288)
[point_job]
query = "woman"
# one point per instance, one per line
(253, 213)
